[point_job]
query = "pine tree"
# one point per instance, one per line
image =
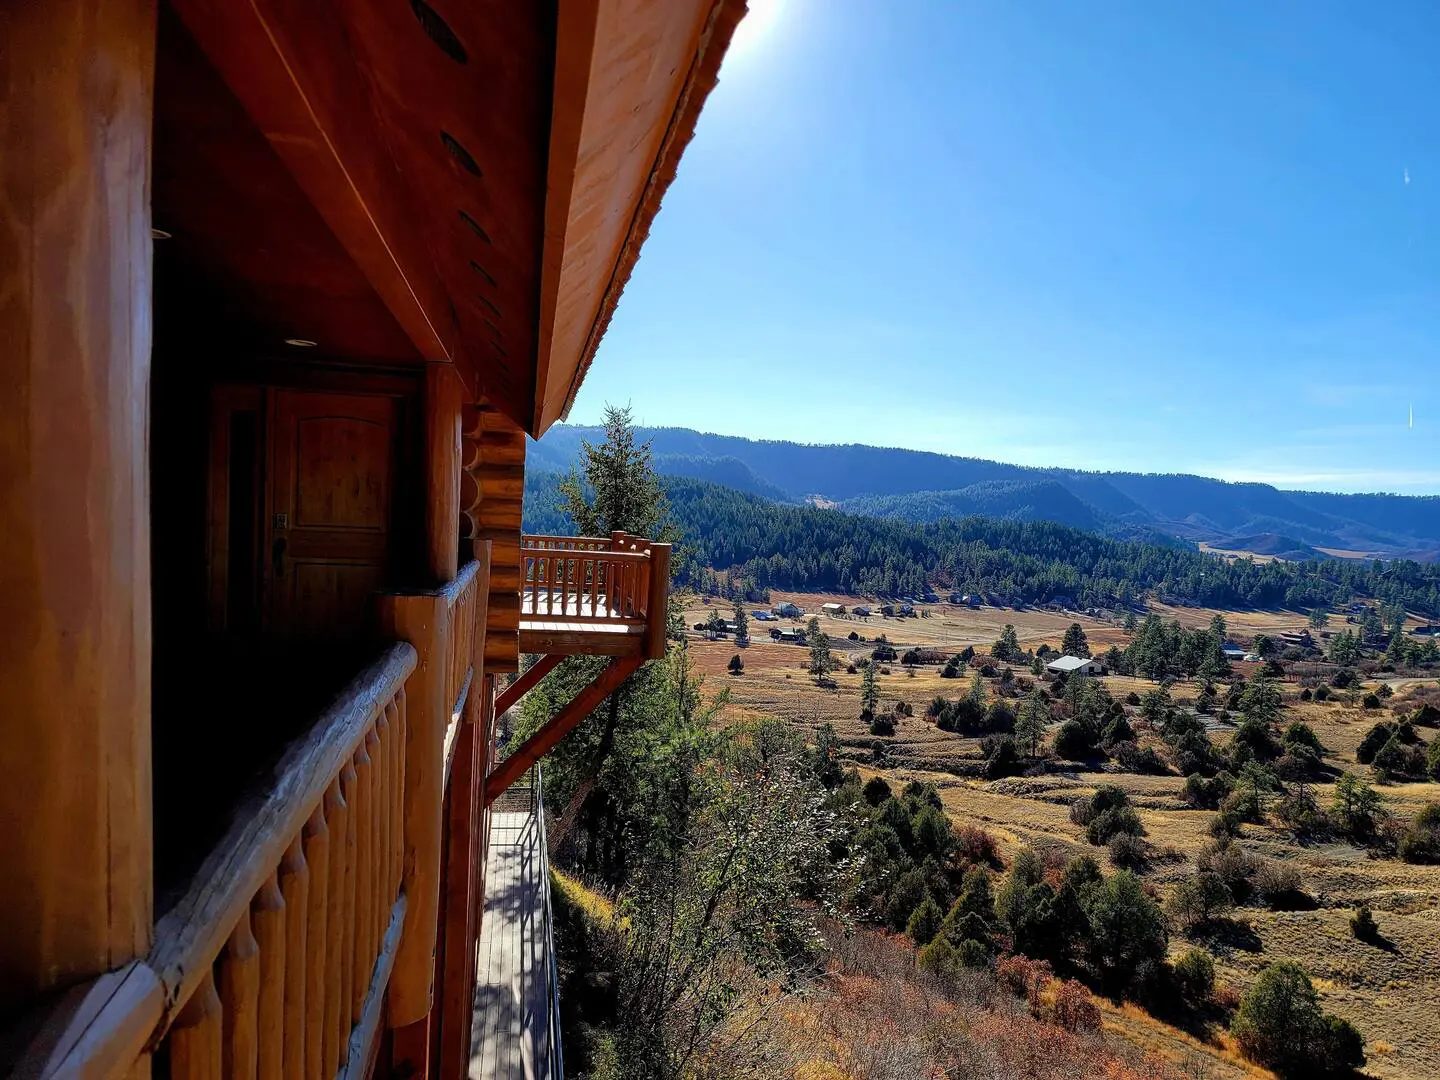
(821, 662)
(1034, 718)
(617, 488)
(742, 623)
(869, 692)
(1074, 643)
(978, 695)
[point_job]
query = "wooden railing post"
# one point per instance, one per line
(658, 602)
(421, 620)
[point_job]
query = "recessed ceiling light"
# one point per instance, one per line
(300, 342)
(159, 234)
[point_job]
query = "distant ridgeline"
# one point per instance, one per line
(766, 544)
(917, 486)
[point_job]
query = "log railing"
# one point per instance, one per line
(591, 580)
(461, 598)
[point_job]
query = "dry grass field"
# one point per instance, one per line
(1391, 991)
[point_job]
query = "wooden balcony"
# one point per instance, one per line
(593, 596)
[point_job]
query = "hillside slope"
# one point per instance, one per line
(922, 486)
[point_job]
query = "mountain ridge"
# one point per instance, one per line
(920, 485)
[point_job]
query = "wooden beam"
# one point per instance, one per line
(76, 84)
(560, 725)
(527, 681)
(290, 66)
(443, 392)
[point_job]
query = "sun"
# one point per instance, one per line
(756, 26)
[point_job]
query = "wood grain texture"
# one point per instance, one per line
(240, 1002)
(191, 934)
(294, 882)
(197, 1038)
(75, 640)
(420, 619)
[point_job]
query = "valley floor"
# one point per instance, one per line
(1389, 991)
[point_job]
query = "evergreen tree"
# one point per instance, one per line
(978, 694)
(742, 623)
(821, 662)
(869, 692)
(1034, 718)
(1074, 643)
(617, 488)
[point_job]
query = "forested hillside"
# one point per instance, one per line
(921, 486)
(765, 544)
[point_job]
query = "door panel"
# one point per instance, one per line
(332, 495)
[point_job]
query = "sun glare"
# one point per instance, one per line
(756, 26)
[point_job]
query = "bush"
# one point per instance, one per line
(1280, 1025)
(1322, 693)
(1127, 851)
(736, 665)
(1074, 742)
(924, 922)
(975, 846)
(1199, 899)
(1002, 759)
(1205, 792)
(1277, 884)
(1370, 701)
(1363, 925)
(1074, 1009)
(884, 724)
(1421, 841)
(1231, 864)
(1132, 698)
(875, 791)
(1133, 759)
(1195, 976)
(1300, 733)
(1108, 824)
(1024, 977)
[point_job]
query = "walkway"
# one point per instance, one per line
(511, 1018)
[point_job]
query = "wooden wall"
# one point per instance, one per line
(492, 499)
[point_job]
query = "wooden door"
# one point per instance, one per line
(332, 469)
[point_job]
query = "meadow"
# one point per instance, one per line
(1388, 989)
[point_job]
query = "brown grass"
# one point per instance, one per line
(1389, 994)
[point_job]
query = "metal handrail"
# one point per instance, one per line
(556, 1051)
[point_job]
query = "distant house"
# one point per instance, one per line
(887, 610)
(1232, 652)
(907, 609)
(1075, 665)
(761, 616)
(861, 610)
(1253, 658)
(793, 636)
(1301, 640)
(833, 610)
(787, 611)
(1427, 630)
(1064, 603)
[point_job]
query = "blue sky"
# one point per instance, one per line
(1175, 236)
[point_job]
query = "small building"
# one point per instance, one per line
(761, 616)
(1075, 665)
(907, 609)
(860, 610)
(794, 636)
(787, 610)
(833, 610)
(1232, 652)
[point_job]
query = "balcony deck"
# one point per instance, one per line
(511, 1037)
(567, 626)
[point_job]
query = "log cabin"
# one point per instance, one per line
(284, 287)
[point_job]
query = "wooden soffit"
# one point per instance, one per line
(630, 79)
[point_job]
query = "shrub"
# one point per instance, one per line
(1370, 701)
(1024, 977)
(1127, 851)
(1002, 759)
(1074, 1009)
(1277, 884)
(1195, 976)
(1280, 1025)
(884, 724)
(1199, 899)
(1363, 925)
(1108, 824)
(1421, 842)
(1306, 694)
(1074, 742)
(1322, 693)
(1344, 679)
(1205, 792)
(1133, 759)
(875, 791)
(1231, 864)
(1300, 733)
(975, 846)
(924, 921)
(1132, 698)
(736, 665)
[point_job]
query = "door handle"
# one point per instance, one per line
(277, 557)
